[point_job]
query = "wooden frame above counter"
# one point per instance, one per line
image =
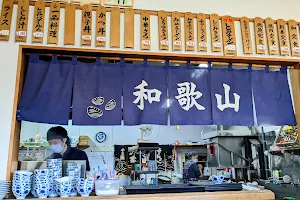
(24, 50)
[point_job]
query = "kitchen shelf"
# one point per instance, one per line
(190, 146)
(279, 152)
(83, 146)
(147, 172)
(147, 148)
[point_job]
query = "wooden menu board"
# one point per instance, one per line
(69, 38)
(246, 35)
(115, 27)
(5, 19)
(145, 30)
(282, 38)
(259, 35)
(201, 32)
(229, 40)
(22, 21)
(163, 30)
(294, 37)
(129, 28)
(86, 25)
(101, 26)
(215, 33)
(189, 31)
(271, 36)
(176, 31)
(53, 26)
(38, 22)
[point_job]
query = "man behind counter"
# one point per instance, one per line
(59, 142)
(192, 171)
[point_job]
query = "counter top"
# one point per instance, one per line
(225, 195)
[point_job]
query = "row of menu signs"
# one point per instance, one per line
(275, 37)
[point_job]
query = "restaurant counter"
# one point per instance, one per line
(224, 195)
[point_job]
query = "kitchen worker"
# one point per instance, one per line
(191, 170)
(59, 142)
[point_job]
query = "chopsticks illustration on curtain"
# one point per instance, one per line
(144, 94)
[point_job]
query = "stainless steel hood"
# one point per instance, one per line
(226, 152)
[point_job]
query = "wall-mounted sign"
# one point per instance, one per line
(127, 3)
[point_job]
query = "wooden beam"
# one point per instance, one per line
(295, 84)
(138, 11)
(13, 152)
(159, 56)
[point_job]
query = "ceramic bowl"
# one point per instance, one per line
(43, 190)
(20, 193)
(63, 186)
(85, 187)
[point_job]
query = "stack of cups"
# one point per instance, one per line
(74, 171)
(21, 186)
(56, 167)
(42, 184)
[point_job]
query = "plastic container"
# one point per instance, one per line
(107, 187)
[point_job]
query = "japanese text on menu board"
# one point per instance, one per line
(54, 23)
(202, 40)
(5, 19)
(101, 26)
(189, 31)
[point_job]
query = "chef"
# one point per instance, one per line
(191, 170)
(59, 142)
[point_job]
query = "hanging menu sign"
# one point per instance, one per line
(201, 32)
(69, 38)
(229, 41)
(176, 31)
(53, 26)
(101, 26)
(129, 28)
(163, 30)
(259, 35)
(22, 21)
(38, 22)
(86, 25)
(145, 30)
(115, 27)
(215, 33)
(271, 36)
(294, 37)
(246, 35)
(189, 31)
(282, 38)
(5, 19)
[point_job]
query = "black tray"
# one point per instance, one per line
(210, 186)
(170, 188)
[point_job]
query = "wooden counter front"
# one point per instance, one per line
(225, 195)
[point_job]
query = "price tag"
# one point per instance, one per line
(164, 42)
(21, 33)
(190, 44)
(217, 45)
(101, 39)
(4, 32)
(230, 47)
(296, 49)
(286, 49)
(177, 43)
(202, 44)
(87, 37)
(38, 34)
(261, 47)
(274, 48)
(146, 42)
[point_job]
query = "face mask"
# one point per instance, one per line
(57, 148)
(195, 160)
